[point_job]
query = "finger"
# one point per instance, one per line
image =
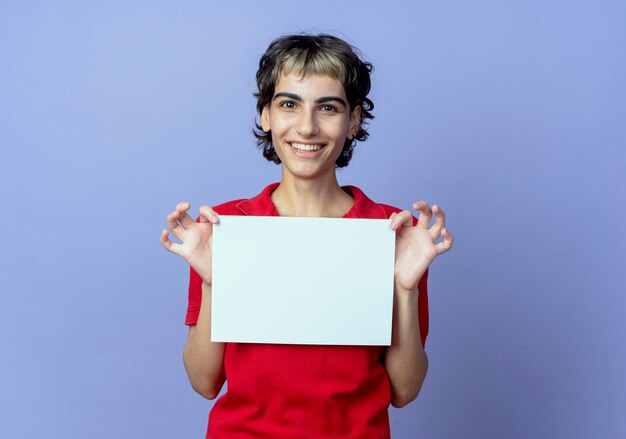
(184, 217)
(169, 245)
(402, 219)
(425, 213)
(440, 222)
(208, 215)
(174, 226)
(446, 244)
(393, 215)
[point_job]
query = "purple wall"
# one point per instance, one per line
(510, 116)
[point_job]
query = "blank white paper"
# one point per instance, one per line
(302, 280)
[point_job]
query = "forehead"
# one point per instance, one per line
(309, 84)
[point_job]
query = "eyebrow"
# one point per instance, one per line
(321, 100)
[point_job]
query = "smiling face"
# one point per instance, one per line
(310, 119)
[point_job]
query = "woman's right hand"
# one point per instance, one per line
(196, 238)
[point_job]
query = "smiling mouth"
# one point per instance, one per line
(304, 147)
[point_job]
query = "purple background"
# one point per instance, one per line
(511, 115)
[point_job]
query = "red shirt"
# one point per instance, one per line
(302, 391)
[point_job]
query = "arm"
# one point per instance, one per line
(405, 360)
(204, 361)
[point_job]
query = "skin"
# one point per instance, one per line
(310, 110)
(313, 110)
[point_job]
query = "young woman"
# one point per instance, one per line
(312, 103)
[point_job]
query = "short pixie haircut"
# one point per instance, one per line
(321, 54)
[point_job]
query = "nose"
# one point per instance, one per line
(307, 124)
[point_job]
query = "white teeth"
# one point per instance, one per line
(303, 147)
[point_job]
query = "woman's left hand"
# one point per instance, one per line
(416, 246)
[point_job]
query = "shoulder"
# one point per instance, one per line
(229, 208)
(392, 209)
(364, 207)
(389, 209)
(258, 205)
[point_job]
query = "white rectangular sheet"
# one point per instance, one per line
(302, 280)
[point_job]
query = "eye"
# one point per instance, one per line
(288, 104)
(327, 107)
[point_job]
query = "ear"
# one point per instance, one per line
(355, 122)
(265, 119)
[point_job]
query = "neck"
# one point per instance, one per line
(311, 198)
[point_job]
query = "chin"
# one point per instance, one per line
(308, 173)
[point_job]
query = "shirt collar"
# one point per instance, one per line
(262, 205)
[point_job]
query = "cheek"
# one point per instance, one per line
(339, 131)
(276, 143)
(278, 132)
(280, 126)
